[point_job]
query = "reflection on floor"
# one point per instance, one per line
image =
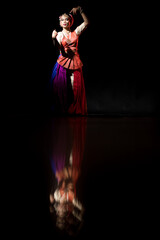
(85, 177)
(66, 155)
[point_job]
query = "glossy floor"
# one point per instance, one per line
(76, 177)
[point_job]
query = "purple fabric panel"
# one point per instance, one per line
(60, 88)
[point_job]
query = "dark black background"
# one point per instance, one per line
(119, 54)
(118, 51)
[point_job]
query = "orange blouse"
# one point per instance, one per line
(69, 57)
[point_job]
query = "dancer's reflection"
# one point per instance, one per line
(67, 155)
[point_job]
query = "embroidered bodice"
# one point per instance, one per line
(69, 56)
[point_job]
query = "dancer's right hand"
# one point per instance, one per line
(54, 34)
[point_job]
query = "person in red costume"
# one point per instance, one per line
(67, 76)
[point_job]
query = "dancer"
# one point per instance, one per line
(67, 76)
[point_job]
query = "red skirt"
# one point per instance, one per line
(79, 104)
(75, 104)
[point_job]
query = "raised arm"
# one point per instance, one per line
(80, 10)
